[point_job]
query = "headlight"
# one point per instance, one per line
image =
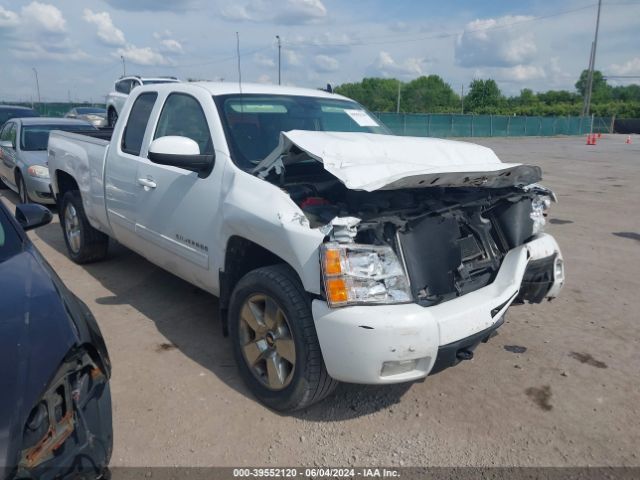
(539, 207)
(38, 171)
(355, 273)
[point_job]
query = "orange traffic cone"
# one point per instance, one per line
(599, 134)
(591, 139)
(628, 139)
(588, 139)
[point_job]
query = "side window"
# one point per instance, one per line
(182, 115)
(4, 134)
(134, 84)
(137, 123)
(9, 134)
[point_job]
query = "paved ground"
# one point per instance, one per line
(572, 398)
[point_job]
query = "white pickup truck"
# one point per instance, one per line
(338, 251)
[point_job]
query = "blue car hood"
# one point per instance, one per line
(36, 333)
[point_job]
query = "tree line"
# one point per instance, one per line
(431, 94)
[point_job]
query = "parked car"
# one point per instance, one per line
(8, 112)
(23, 155)
(96, 116)
(55, 407)
(338, 252)
(122, 88)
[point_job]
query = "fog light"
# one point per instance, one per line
(558, 270)
(396, 368)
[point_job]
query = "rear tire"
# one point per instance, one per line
(273, 300)
(84, 243)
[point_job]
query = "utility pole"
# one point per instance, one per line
(592, 63)
(37, 84)
(124, 66)
(462, 99)
(279, 58)
(398, 102)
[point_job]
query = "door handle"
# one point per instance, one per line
(147, 183)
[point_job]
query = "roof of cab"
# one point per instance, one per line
(50, 121)
(227, 88)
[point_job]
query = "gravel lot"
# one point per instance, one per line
(558, 385)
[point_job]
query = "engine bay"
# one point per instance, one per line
(451, 239)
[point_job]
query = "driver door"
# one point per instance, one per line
(176, 208)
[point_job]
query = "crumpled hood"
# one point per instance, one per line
(367, 161)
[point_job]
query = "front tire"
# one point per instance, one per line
(275, 342)
(22, 189)
(112, 117)
(84, 243)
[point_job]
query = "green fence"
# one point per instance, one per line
(452, 125)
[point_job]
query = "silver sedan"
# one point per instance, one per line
(96, 116)
(23, 155)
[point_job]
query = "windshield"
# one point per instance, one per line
(90, 111)
(36, 137)
(252, 123)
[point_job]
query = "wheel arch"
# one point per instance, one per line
(241, 257)
(64, 182)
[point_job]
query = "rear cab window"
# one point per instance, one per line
(136, 126)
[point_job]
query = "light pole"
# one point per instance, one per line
(37, 84)
(279, 57)
(592, 64)
(124, 66)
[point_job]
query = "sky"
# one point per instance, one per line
(76, 47)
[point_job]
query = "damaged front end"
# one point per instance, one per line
(433, 245)
(419, 239)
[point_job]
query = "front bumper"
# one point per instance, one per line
(39, 189)
(400, 343)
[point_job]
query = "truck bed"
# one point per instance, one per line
(80, 157)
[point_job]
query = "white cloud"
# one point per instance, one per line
(237, 13)
(142, 55)
(106, 30)
(301, 11)
(495, 43)
(171, 45)
(178, 6)
(264, 78)
(168, 44)
(289, 12)
(291, 57)
(38, 51)
(325, 63)
(45, 16)
(387, 66)
(264, 61)
(630, 67)
(523, 73)
(8, 18)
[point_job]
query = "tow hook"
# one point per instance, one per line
(464, 354)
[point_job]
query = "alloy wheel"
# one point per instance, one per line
(72, 227)
(266, 342)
